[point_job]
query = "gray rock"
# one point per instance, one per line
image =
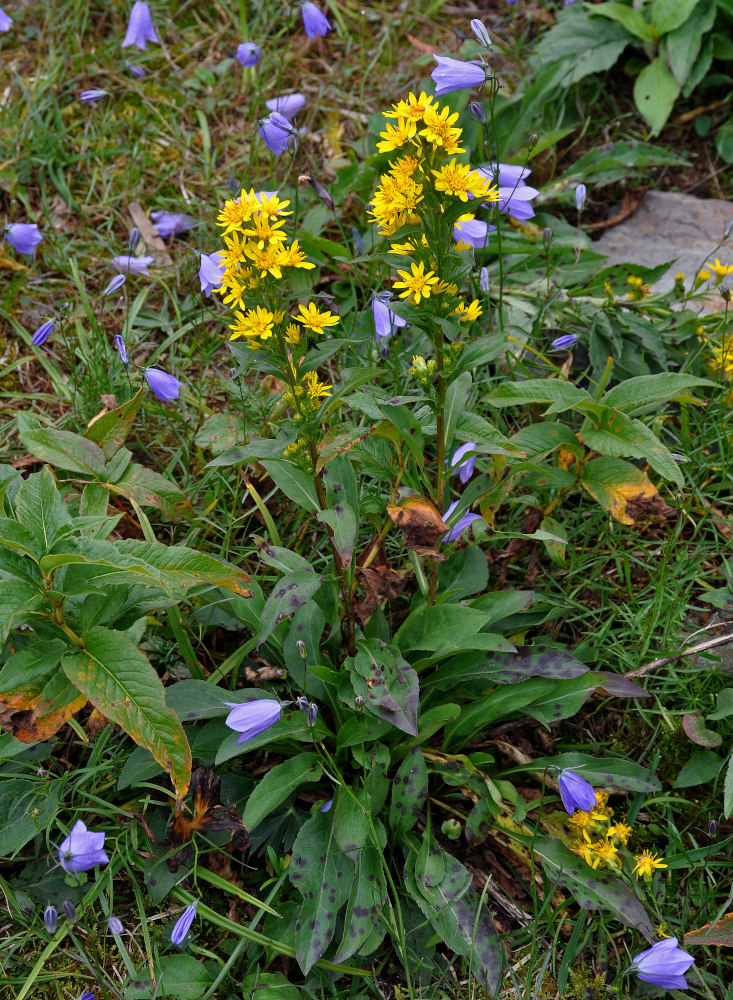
(671, 226)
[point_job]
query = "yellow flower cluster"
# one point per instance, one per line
(611, 836)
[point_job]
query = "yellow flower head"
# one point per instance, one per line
(720, 269)
(292, 334)
(416, 283)
(601, 814)
(413, 108)
(646, 864)
(263, 230)
(620, 832)
(404, 168)
(265, 260)
(314, 320)
(459, 180)
(467, 314)
(257, 322)
(605, 853)
(293, 256)
(439, 130)
(580, 819)
(397, 135)
(316, 390)
(585, 849)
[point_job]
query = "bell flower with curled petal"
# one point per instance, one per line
(248, 54)
(24, 237)
(575, 792)
(461, 524)
(127, 264)
(314, 22)
(140, 28)
(183, 925)
(276, 131)
(664, 964)
(168, 223)
(463, 468)
(386, 322)
(252, 717)
(211, 271)
(82, 849)
(5, 20)
(455, 74)
(165, 386)
(514, 201)
(287, 105)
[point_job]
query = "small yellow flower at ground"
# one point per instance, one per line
(269, 204)
(257, 322)
(620, 832)
(293, 256)
(439, 130)
(609, 290)
(468, 313)
(638, 288)
(292, 334)
(459, 180)
(646, 864)
(395, 136)
(413, 108)
(315, 389)
(605, 853)
(314, 320)
(235, 292)
(417, 284)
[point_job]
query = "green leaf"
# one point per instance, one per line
(120, 682)
(409, 792)
(561, 395)
(684, 43)
(694, 726)
(18, 599)
(670, 14)
(555, 546)
(507, 668)
(40, 508)
(591, 889)
(473, 427)
(18, 538)
(220, 432)
(631, 19)
(647, 391)
(150, 489)
(323, 875)
(110, 431)
(441, 628)
(290, 593)
(367, 899)
(185, 978)
(386, 682)
(57, 692)
(294, 483)
(724, 142)
(701, 768)
(285, 560)
(456, 401)
(185, 567)
(279, 783)
(727, 790)
(350, 823)
(65, 450)
(258, 448)
(342, 522)
(24, 673)
(19, 820)
(655, 92)
(611, 432)
(194, 699)
(575, 46)
(724, 707)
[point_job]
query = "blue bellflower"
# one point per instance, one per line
(252, 717)
(92, 95)
(514, 201)
(580, 197)
(169, 223)
(248, 54)
(454, 74)
(136, 70)
(115, 284)
(165, 386)
(24, 237)
(42, 333)
(484, 282)
(211, 271)
(5, 20)
(505, 174)
(575, 792)
(461, 524)
(183, 925)
(567, 340)
(386, 322)
(125, 263)
(463, 468)
(140, 28)
(664, 964)
(119, 342)
(475, 232)
(314, 22)
(276, 131)
(69, 911)
(287, 105)
(82, 849)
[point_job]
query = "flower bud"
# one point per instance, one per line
(533, 140)
(133, 239)
(712, 827)
(725, 293)
(580, 197)
(50, 918)
(69, 911)
(115, 925)
(478, 112)
(312, 714)
(359, 702)
(292, 145)
(302, 651)
(321, 192)
(481, 32)
(547, 236)
(302, 703)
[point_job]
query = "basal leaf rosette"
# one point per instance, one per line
(425, 205)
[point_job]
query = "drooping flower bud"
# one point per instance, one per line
(580, 197)
(50, 918)
(133, 239)
(69, 911)
(481, 32)
(478, 112)
(547, 236)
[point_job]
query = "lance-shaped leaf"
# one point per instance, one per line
(616, 772)
(367, 899)
(323, 875)
(18, 599)
(693, 724)
(560, 394)
(120, 682)
(38, 505)
(386, 682)
(350, 822)
(26, 672)
(294, 483)
(285, 560)
(591, 889)
(149, 489)
(290, 593)
(409, 792)
(713, 935)
(280, 782)
(65, 450)
(613, 433)
(110, 431)
(342, 522)
(456, 399)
